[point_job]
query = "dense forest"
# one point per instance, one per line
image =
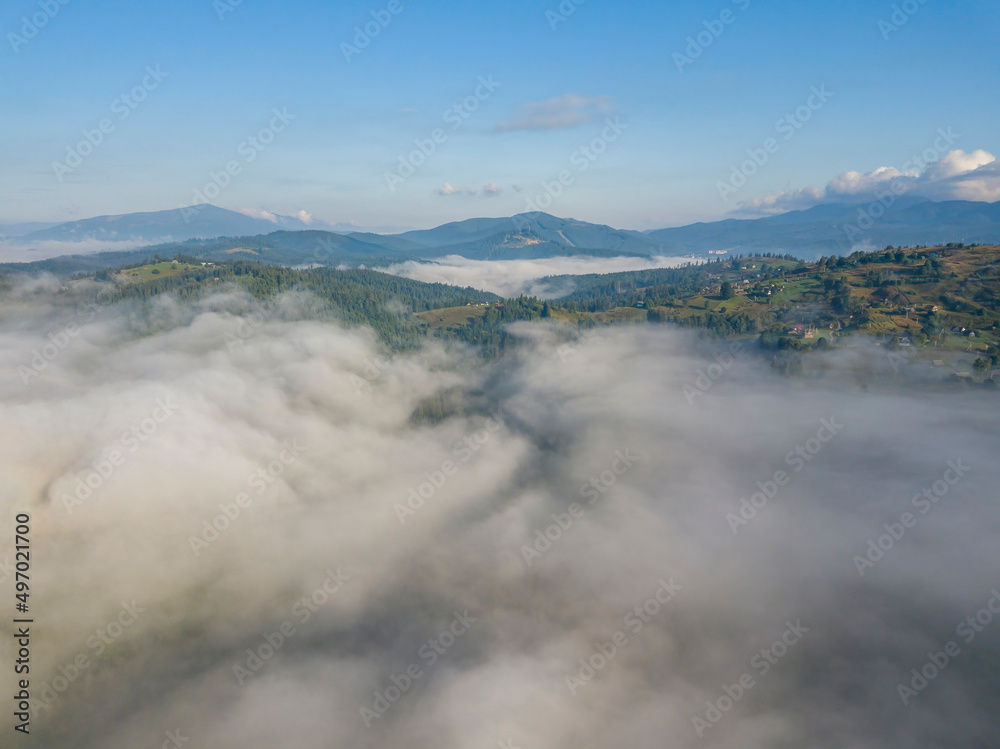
(924, 294)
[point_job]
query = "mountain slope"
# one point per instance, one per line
(175, 225)
(840, 228)
(178, 225)
(527, 229)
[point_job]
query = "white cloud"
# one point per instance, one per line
(492, 189)
(448, 189)
(513, 277)
(981, 183)
(959, 162)
(859, 183)
(560, 113)
(782, 202)
(957, 175)
(305, 217)
(258, 213)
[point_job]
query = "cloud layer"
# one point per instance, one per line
(303, 435)
(513, 277)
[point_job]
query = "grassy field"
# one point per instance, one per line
(963, 291)
(450, 317)
(156, 270)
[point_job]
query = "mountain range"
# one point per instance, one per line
(177, 225)
(841, 228)
(827, 229)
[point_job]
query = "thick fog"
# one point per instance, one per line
(246, 534)
(530, 276)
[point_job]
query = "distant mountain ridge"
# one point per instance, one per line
(827, 229)
(840, 228)
(177, 225)
(16, 230)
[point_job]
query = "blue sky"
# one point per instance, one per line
(680, 131)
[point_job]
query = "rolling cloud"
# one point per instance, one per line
(512, 277)
(948, 175)
(567, 575)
